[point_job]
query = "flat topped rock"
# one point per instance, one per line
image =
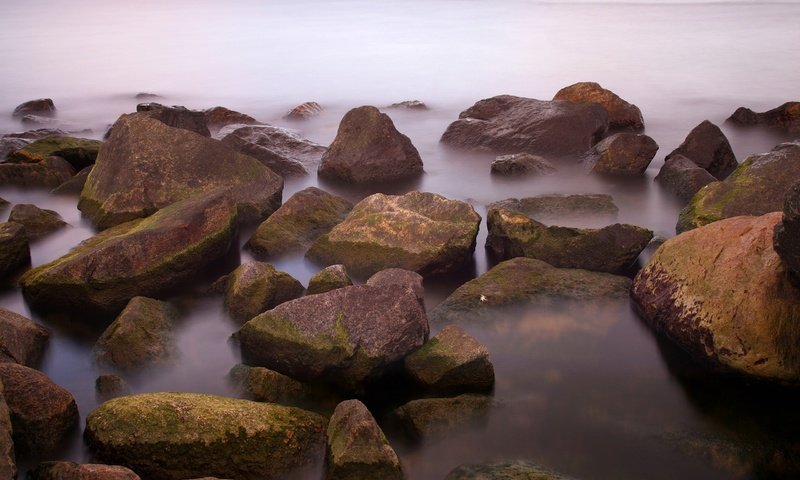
(520, 164)
(79, 152)
(621, 114)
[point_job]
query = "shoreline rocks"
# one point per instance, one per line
(327, 279)
(682, 177)
(42, 107)
(561, 208)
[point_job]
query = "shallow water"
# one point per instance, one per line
(587, 390)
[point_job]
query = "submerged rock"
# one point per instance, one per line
(107, 387)
(21, 340)
(177, 117)
(75, 471)
(757, 186)
(423, 232)
(434, 418)
(304, 111)
(8, 464)
(74, 186)
(409, 105)
(15, 253)
(329, 278)
(523, 281)
(357, 448)
(519, 470)
(38, 223)
(508, 124)
(265, 385)
(186, 435)
(721, 293)
(144, 257)
(785, 117)
(220, 117)
(42, 106)
(786, 239)
(368, 148)
(303, 218)
(708, 147)
(626, 154)
(621, 114)
(284, 151)
(520, 164)
(49, 173)
(146, 165)
(549, 208)
(255, 287)
(79, 152)
(683, 177)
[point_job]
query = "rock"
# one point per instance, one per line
(522, 164)
(757, 186)
(303, 218)
(423, 232)
(451, 362)
(283, 151)
(519, 470)
(43, 414)
(43, 106)
(74, 471)
(368, 148)
(345, 337)
(433, 418)
(36, 134)
(787, 233)
(265, 385)
(73, 186)
(611, 249)
(621, 154)
(304, 111)
(146, 165)
(8, 464)
(327, 279)
(708, 147)
(79, 152)
(146, 96)
(21, 340)
(219, 117)
(186, 435)
(357, 448)
(107, 387)
(523, 281)
(38, 223)
(398, 277)
(14, 251)
(785, 117)
(409, 105)
(9, 145)
(48, 173)
(140, 258)
(508, 124)
(256, 287)
(721, 293)
(683, 177)
(177, 117)
(140, 336)
(621, 114)
(3, 203)
(560, 208)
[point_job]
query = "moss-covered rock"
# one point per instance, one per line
(38, 223)
(265, 385)
(519, 470)
(560, 208)
(15, 254)
(21, 340)
(79, 152)
(708, 147)
(611, 249)
(621, 154)
(451, 362)
(721, 293)
(8, 464)
(283, 151)
(683, 177)
(255, 287)
(304, 217)
(186, 435)
(434, 418)
(621, 114)
(522, 281)
(141, 336)
(139, 258)
(422, 232)
(329, 278)
(49, 173)
(146, 165)
(357, 448)
(757, 186)
(107, 387)
(345, 337)
(75, 471)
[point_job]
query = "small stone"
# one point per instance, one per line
(329, 278)
(21, 340)
(38, 223)
(409, 105)
(43, 106)
(107, 387)
(520, 164)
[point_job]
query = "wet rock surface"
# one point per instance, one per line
(625, 154)
(38, 223)
(329, 278)
(683, 177)
(304, 111)
(220, 117)
(519, 470)
(283, 151)
(176, 117)
(709, 148)
(621, 114)
(255, 287)
(522, 164)
(8, 464)
(21, 340)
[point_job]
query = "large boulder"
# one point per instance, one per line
(284, 151)
(21, 340)
(435, 418)
(626, 154)
(304, 217)
(611, 249)
(597, 207)
(38, 223)
(345, 337)
(423, 232)
(523, 281)
(49, 173)
(368, 148)
(42, 414)
(8, 464)
(255, 287)
(188, 435)
(75, 471)
(508, 124)
(621, 114)
(757, 186)
(218, 118)
(327, 279)
(141, 336)
(144, 257)
(785, 117)
(519, 470)
(787, 233)
(15, 253)
(357, 448)
(79, 152)
(146, 165)
(42, 106)
(709, 148)
(683, 177)
(721, 293)
(520, 164)
(176, 116)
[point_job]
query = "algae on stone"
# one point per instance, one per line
(327, 279)
(79, 152)
(255, 287)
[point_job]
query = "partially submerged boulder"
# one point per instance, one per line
(683, 177)
(303, 218)
(368, 148)
(8, 464)
(176, 116)
(187, 435)
(108, 386)
(786, 239)
(435, 418)
(409, 105)
(785, 117)
(42, 106)
(284, 151)
(75, 471)
(625, 154)
(509, 124)
(522, 281)
(49, 173)
(220, 117)
(520, 164)
(357, 448)
(146, 165)
(264, 385)
(255, 287)
(423, 232)
(721, 293)
(304, 111)
(144, 257)
(15, 253)
(757, 186)
(327, 279)
(708, 147)
(519, 470)
(621, 114)
(21, 340)
(38, 222)
(79, 152)
(141, 336)
(560, 208)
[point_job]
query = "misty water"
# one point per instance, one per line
(585, 389)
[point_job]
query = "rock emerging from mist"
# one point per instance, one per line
(79, 152)
(219, 117)
(176, 117)
(682, 177)
(621, 154)
(519, 470)
(621, 114)
(41, 107)
(785, 117)
(304, 111)
(110, 386)
(709, 148)
(21, 340)
(436, 418)
(522, 164)
(283, 151)
(255, 287)
(49, 173)
(329, 278)
(591, 208)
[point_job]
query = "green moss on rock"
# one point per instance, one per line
(255, 287)
(79, 152)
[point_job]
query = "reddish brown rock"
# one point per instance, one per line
(75, 471)
(708, 147)
(683, 177)
(219, 117)
(281, 150)
(624, 154)
(621, 114)
(49, 173)
(304, 111)
(177, 117)
(21, 340)
(41, 107)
